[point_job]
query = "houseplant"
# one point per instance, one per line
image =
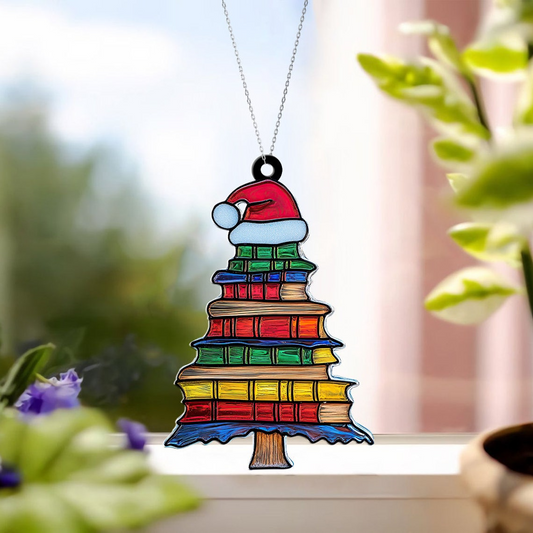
(58, 468)
(491, 175)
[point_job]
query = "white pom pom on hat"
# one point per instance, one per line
(225, 215)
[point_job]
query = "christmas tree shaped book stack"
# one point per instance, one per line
(264, 364)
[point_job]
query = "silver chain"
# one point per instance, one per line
(287, 81)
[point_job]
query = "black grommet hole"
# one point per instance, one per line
(267, 168)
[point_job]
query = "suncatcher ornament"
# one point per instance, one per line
(264, 365)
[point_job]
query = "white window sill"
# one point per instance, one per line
(401, 484)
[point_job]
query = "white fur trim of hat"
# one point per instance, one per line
(275, 232)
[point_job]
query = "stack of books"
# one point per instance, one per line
(265, 361)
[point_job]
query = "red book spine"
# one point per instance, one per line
(256, 291)
(244, 326)
(242, 291)
(251, 291)
(275, 327)
(267, 327)
(272, 291)
(228, 291)
(215, 327)
(227, 330)
(198, 412)
(240, 411)
(226, 411)
(308, 327)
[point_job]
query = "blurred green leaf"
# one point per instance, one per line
(506, 240)
(61, 437)
(74, 481)
(85, 451)
(506, 3)
(524, 9)
(457, 181)
(22, 373)
(497, 58)
(37, 509)
(440, 42)
(428, 88)
(12, 432)
(108, 507)
(128, 467)
(524, 104)
(510, 16)
(489, 242)
(503, 179)
(471, 236)
(469, 296)
(452, 151)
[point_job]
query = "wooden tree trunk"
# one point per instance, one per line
(269, 451)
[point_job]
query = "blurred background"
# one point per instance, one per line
(123, 122)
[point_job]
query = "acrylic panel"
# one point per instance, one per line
(264, 365)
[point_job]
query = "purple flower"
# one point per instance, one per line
(43, 397)
(10, 478)
(135, 433)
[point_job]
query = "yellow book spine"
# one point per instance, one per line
(266, 390)
(323, 356)
(232, 390)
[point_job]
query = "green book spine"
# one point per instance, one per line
(269, 265)
(253, 355)
(284, 251)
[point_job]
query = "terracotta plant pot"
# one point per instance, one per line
(497, 468)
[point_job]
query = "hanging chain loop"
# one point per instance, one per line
(287, 81)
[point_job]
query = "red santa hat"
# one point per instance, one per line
(271, 215)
